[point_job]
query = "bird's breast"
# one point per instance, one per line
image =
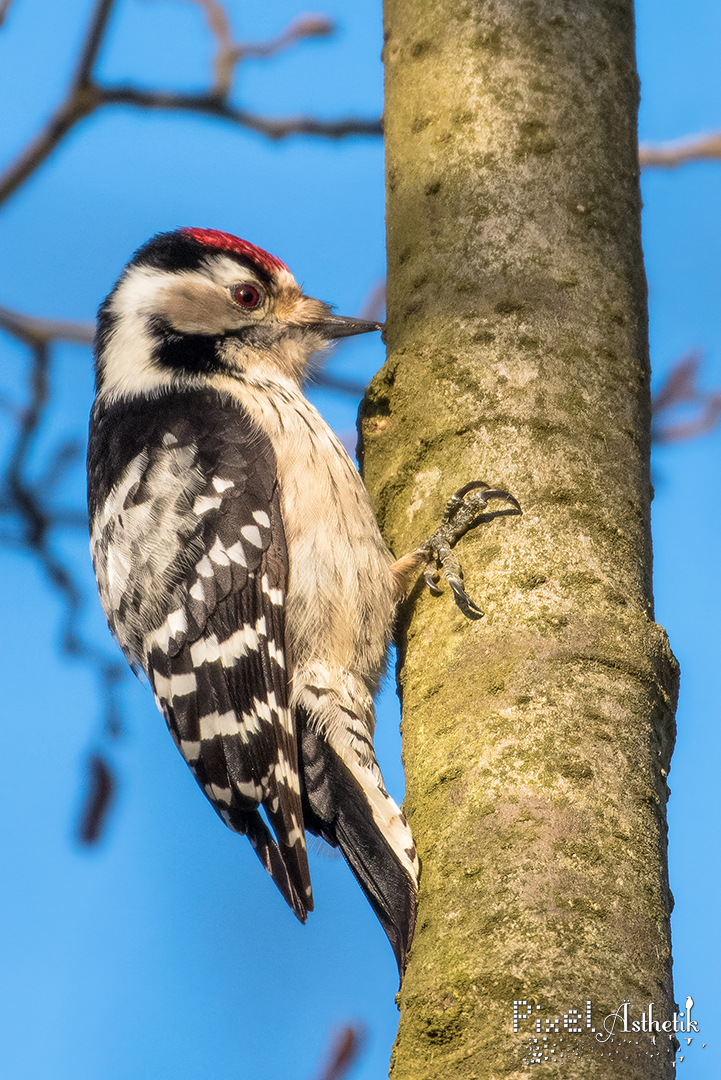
(339, 604)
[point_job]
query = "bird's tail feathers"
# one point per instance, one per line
(272, 859)
(348, 806)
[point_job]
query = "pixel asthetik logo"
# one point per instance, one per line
(618, 1035)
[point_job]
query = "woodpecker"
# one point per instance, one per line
(239, 563)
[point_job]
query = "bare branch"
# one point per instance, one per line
(85, 95)
(209, 105)
(81, 100)
(66, 455)
(671, 155)
(100, 794)
(219, 26)
(681, 388)
(35, 331)
(302, 27)
(62, 518)
(25, 504)
(374, 305)
(342, 386)
(93, 42)
(80, 104)
(680, 385)
(229, 53)
(706, 421)
(4, 5)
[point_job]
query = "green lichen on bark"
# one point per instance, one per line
(536, 740)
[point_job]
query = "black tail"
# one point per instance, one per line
(272, 859)
(339, 801)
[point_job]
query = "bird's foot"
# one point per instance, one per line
(461, 512)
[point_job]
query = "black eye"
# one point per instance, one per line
(246, 295)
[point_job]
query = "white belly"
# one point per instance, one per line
(339, 603)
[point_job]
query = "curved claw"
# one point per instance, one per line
(457, 500)
(460, 515)
(468, 606)
(496, 493)
(431, 579)
(472, 485)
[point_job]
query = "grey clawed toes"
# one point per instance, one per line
(459, 516)
(468, 606)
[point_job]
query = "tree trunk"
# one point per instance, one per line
(537, 739)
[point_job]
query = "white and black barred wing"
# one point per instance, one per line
(190, 555)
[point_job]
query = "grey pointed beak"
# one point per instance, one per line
(339, 326)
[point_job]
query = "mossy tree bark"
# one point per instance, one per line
(537, 739)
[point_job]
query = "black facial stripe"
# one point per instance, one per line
(202, 353)
(196, 353)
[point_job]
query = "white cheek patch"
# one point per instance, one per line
(192, 301)
(128, 366)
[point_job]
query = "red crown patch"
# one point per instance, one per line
(223, 241)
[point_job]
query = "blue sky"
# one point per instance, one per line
(166, 952)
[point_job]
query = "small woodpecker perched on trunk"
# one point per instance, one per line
(239, 562)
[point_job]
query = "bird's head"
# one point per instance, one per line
(196, 303)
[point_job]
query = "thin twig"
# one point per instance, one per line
(706, 421)
(681, 388)
(341, 386)
(86, 95)
(4, 5)
(99, 796)
(229, 53)
(25, 503)
(81, 100)
(69, 113)
(210, 105)
(680, 383)
(35, 331)
(672, 154)
(93, 42)
(56, 519)
(374, 305)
